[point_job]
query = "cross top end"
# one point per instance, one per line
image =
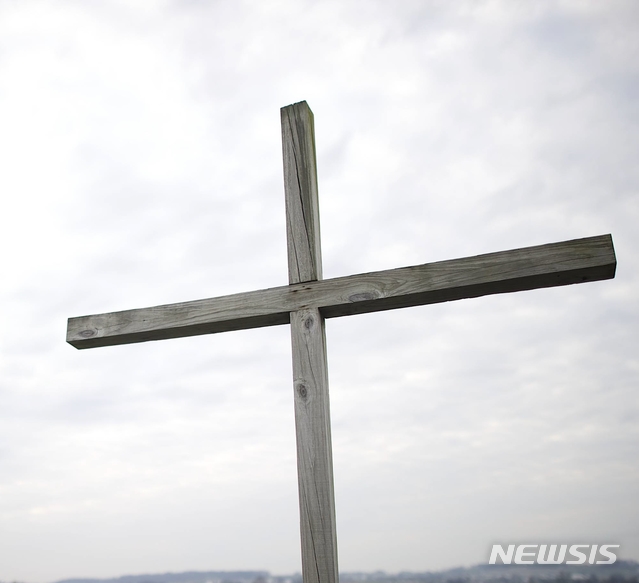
(301, 194)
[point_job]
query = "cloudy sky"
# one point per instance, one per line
(140, 164)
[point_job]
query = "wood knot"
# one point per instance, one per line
(87, 333)
(363, 296)
(302, 391)
(309, 322)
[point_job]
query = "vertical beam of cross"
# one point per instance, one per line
(310, 371)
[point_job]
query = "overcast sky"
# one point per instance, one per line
(140, 164)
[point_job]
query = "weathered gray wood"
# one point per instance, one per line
(300, 189)
(555, 264)
(314, 450)
(318, 530)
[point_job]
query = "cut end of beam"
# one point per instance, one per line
(302, 103)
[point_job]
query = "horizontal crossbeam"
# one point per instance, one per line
(555, 264)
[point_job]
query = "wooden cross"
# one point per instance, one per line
(308, 299)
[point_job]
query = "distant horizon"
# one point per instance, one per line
(620, 564)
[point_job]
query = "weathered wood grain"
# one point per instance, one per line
(554, 264)
(314, 449)
(318, 531)
(301, 193)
